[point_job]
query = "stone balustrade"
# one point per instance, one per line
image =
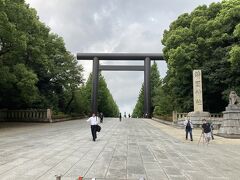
(215, 118)
(3, 115)
(34, 115)
(177, 116)
(181, 115)
(216, 115)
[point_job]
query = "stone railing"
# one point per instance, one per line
(178, 116)
(181, 116)
(3, 114)
(216, 115)
(215, 118)
(35, 115)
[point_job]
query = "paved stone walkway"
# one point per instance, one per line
(129, 149)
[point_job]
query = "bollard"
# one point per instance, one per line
(58, 177)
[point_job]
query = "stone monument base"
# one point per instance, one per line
(197, 117)
(230, 127)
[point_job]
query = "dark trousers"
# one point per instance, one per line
(190, 132)
(94, 131)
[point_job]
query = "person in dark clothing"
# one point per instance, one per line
(212, 128)
(101, 117)
(125, 115)
(206, 130)
(120, 117)
(188, 128)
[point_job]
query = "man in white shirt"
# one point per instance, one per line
(94, 121)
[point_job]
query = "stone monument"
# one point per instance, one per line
(198, 114)
(230, 127)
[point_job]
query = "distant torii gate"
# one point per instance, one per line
(96, 57)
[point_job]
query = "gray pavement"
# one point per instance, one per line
(129, 149)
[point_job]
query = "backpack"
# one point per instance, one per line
(188, 126)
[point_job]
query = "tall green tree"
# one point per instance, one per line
(206, 39)
(156, 82)
(36, 70)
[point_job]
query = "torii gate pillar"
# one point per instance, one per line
(95, 78)
(147, 88)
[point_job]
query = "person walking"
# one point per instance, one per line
(125, 115)
(120, 117)
(188, 128)
(206, 130)
(101, 117)
(93, 121)
(212, 128)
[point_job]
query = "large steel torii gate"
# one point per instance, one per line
(96, 57)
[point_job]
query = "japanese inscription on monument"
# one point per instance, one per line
(197, 90)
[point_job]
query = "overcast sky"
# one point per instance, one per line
(114, 26)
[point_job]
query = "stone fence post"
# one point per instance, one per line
(49, 115)
(174, 116)
(3, 115)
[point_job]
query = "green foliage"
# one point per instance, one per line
(81, 101)
(162, 102)
(155, 81)
(36, 70)
(234, 55)
(25, 84)
(206, 39)
(138, 110)
(106, 103)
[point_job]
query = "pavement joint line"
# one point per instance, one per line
(142, 160)
(18, 165)
(95, 159)
(168, 176)
(127, 157)
(158, 161)
(196, 133)
(59, 162)
(74, 163)
(110, 160)
(54, 167)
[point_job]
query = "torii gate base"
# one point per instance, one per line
(96, 57)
